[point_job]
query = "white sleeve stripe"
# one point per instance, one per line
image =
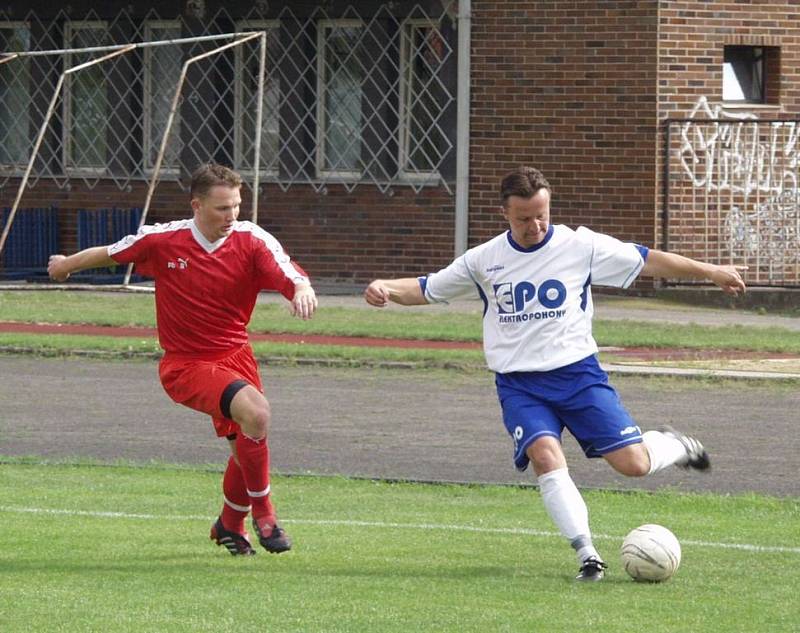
(273, 246)
(148, 229)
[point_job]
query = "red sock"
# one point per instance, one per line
(254, 461)
(237, 503)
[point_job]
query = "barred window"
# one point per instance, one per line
(247, 65)
(348, 98)
(340, 78)
(85, 100)
(423, 97)
(15, 97)
(162, 67)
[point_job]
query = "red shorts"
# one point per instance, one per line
(199, 384)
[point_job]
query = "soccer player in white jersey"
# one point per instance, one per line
(208, 271)
(535, 281)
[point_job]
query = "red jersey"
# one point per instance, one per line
(206, 291)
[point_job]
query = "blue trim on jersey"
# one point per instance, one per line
(585, 293)
(533, 248)
(643, 253)
(482, 295)
(423, 284)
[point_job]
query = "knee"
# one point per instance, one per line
(546, 463)
(635, 464)
(261, 418)
(546, 455)
(255, 419)
(637, 469)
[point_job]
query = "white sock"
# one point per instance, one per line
(664, 450)
(567, 509)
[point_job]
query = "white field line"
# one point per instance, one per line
(747, 547)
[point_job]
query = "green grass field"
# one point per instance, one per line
(121, 548)
(94, 547)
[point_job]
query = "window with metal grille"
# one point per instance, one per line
(162, 67)
(349, 97)
(86, 102)
(422, 142)
(15, 95)
(245, 107)
(340, 78)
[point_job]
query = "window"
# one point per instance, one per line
(86, 105)
(162, 68)
(423, 98)
(245, 114)
(15, 96)
(340, 78)
(743, 74)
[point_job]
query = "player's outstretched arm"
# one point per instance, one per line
(60, 267)
(405, 291)
(304, 302)
(671, 265)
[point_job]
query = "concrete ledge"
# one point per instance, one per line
(683, 372)
(754, 298)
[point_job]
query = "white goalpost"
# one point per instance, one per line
(110, 52)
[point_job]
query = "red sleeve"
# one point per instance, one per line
(273, 267)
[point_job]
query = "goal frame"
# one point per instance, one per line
(113, 51)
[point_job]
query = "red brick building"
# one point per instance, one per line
(580, 89)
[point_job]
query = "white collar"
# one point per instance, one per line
(201, 239)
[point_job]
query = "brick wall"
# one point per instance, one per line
(347, 236)
(568, 87)
(691, 40)
(692, 37)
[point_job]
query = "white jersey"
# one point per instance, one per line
(537, 301)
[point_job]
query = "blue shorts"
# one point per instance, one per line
(577, 397)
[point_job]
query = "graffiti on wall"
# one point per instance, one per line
(752, 168)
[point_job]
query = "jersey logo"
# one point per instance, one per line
(514, 298)
(518, 433)
(182, 264)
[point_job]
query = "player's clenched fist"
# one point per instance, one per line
(55, 268)
(377, 294)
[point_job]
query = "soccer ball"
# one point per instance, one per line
(650, 553)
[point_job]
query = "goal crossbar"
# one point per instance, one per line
(114, 47)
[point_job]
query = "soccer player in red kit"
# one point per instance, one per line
(208, 271)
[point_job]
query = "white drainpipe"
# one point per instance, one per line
(462, 124)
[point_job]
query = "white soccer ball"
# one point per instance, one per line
(650, 553)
